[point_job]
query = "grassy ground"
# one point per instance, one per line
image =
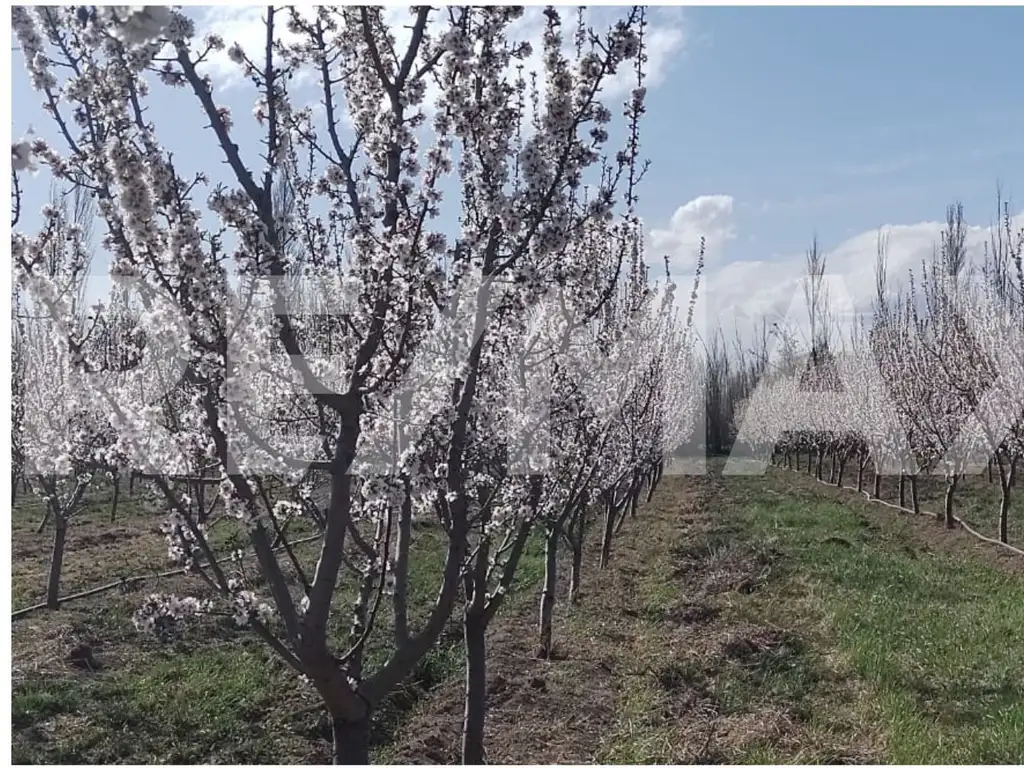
(743, 619)
(931, 621)
(214, 694)
(664, 661)
(752, 620)
(976, 500)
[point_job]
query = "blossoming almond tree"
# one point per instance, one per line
(611, 427)
(932, 385)
(371, 203)
(61, 441)
(948, 357)
(996, 318)
(888, 340)
(509, 458)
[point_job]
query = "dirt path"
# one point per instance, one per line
(563, 710)
(654, 665)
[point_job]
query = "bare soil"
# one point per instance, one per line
(645, 659)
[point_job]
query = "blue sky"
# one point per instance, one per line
(839, 119)
(765, 126)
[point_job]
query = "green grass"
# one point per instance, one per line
(207, 705)
(976, 500)
(938, 637)
(856, 641)
(214, 694)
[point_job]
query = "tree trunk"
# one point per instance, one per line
(903, 490)
(1005, 483)
(877, 490)
(832, 472)
(650, 488)
(576, 575)
(46, 518)
(547, 597)
(200, 495)
(948, 505)
(351, 741)
(474, 631)
(117, 495)
(915, 503)
(860, 474)
(400, 598)
(609, 530)
(842, 469)
(798, 461)
(620, 515)
(60, 537)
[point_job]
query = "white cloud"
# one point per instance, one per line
(239, 24)
(741, 292)
(707, 216)
(737, 295)
(664, 45)
(246, 26)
